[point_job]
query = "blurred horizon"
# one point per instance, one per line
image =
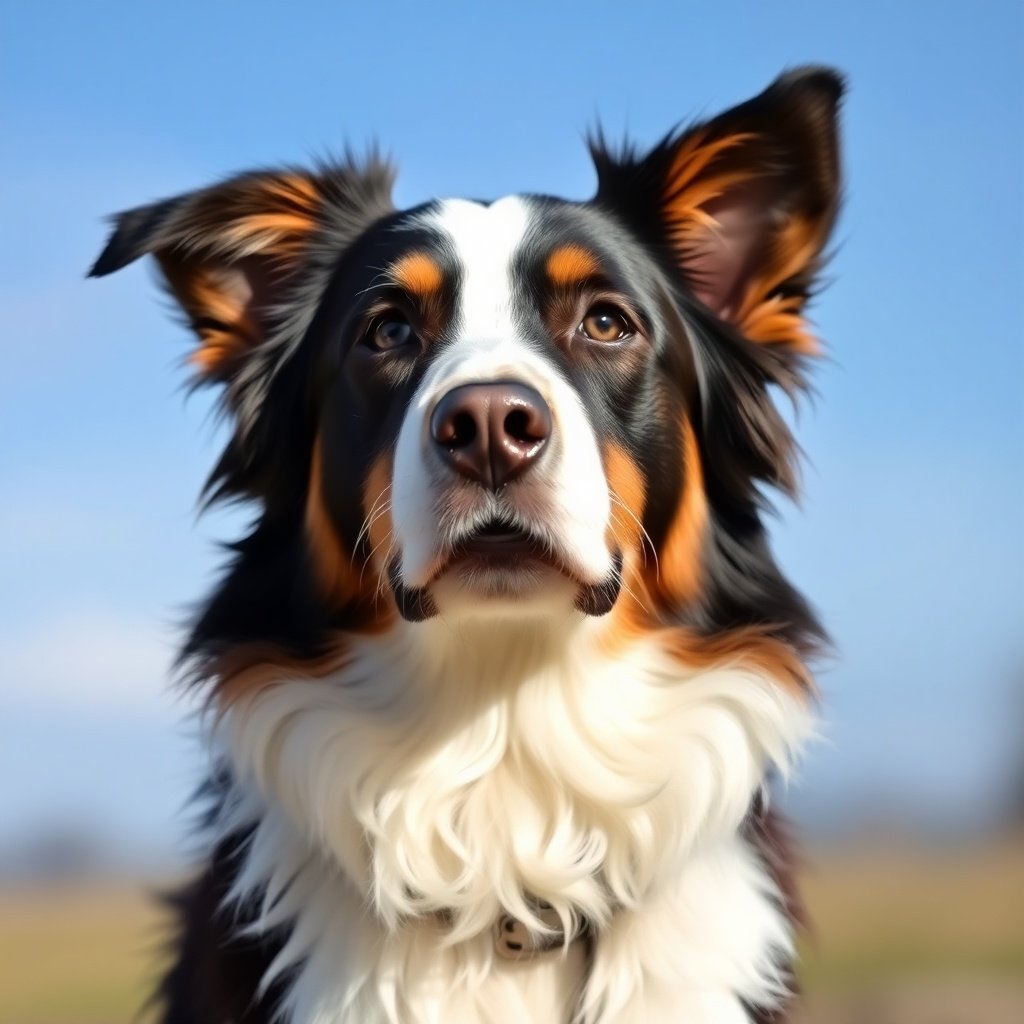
(908, 539)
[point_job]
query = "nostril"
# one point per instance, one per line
(517, 426)
(463, 430)
(528, 422)
(453, 426)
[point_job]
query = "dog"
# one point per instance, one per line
(499, 677)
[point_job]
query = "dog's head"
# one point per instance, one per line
(529, 407)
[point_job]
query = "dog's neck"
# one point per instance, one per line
(485, 658)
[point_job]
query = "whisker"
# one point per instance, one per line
(379, 590)
(628, 590)
(369, 557)
(383, 511)
(368, 524)
(380, 280)
(646, 535)
(372, 516)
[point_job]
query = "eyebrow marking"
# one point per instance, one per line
(418, 274)
(569, 265)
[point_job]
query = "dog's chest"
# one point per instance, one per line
(558, 792)
(576, 780)
(414, 821)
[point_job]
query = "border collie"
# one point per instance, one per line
(498, 678)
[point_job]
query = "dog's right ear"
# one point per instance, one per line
(229, 253)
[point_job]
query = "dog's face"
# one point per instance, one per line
(504, 359)
(517, 408)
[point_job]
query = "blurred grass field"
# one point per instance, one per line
(903, 935)
(76, 952)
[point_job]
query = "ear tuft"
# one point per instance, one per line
(826, 83)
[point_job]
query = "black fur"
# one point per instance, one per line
(215, 971)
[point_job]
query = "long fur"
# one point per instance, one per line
(416, 743)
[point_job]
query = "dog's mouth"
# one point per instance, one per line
(500, 558)
(500, 544)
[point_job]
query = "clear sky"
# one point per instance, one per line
(909, 537)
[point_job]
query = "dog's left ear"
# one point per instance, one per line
(744, 203)
(230, 252)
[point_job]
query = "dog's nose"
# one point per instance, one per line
(490, 433)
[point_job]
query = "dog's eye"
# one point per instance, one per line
(391, 333)
(605, 323)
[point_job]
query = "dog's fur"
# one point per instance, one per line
(447, 701)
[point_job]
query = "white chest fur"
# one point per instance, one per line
(456, 776)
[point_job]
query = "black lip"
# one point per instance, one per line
(414, 604)
(599, 599)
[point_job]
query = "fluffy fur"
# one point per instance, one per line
(537, 663)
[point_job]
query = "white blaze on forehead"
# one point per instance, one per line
(570, 494)
(484, 241)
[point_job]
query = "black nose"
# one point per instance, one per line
(490, 433)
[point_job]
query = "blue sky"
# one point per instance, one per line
(909, 536)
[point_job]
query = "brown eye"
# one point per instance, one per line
(391, 333)
(605, 323)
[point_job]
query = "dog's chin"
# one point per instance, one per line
(511, 577)
(492, 587)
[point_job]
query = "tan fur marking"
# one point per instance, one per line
(377, 509)
(672, 576)
(679, 579)
(689, 189)
(332, 563)
(692, 186)
(267, 222)
(271, 217)
(295, 188)
(676, 577)
(225, 328)
(271, 230)
(628, 492)
(626, 484)
(749, 646)
(418, 274)
(244, 671)
(570, 265)
(771, 318)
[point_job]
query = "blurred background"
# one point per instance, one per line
(908, 538)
